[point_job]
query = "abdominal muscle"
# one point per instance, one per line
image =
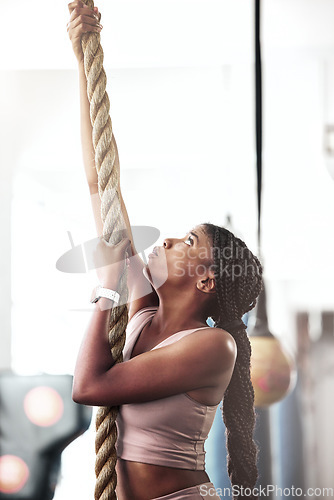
(138, 481)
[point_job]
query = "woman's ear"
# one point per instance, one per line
(207, 285)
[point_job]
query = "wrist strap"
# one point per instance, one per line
(106, 293)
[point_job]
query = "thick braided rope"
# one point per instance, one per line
(113, 223)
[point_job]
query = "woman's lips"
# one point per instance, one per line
(154, 253)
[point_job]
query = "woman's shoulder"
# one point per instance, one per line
(217, 347)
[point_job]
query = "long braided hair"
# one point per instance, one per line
(238, 275)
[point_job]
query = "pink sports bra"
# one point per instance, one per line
(169, 431)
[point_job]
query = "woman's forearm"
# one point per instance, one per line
(89, 158)
(89, 153)
(86, 131)
(94, 358)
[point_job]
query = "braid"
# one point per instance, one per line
(239, 419)
(238, 276)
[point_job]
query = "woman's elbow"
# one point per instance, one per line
(90, 395)
(77, 398)
(80, 394)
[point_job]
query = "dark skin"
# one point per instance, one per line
(180, 282)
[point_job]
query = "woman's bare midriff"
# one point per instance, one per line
(138, 481)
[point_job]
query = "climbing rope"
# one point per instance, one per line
(113, 224)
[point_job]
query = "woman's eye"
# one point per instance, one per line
(189, 241)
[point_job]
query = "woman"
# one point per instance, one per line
(176, 369)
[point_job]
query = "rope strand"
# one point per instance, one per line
(113, 223)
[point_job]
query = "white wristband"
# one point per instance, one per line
(106, 293)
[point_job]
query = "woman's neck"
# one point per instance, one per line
(178, 312)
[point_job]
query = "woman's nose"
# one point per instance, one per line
(167, 243)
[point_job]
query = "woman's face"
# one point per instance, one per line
(181, 262)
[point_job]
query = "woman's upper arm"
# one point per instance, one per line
(199, 360)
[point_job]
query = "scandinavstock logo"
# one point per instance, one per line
(80, 258)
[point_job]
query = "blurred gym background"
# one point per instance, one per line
(181, 85)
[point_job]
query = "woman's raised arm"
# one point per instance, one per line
(82, 20)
